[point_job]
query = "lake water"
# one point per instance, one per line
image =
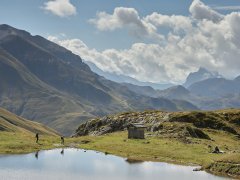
(71, 164)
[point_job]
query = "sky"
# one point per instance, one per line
(150, 40)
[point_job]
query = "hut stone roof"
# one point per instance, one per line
(137, 125)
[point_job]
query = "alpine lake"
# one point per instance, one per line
(71, 164)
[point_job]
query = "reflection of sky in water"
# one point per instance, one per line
(77, 164)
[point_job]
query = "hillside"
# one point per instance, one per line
(51, 85)
(178, 122)
(176, 137)
(17, 135)
(11, 123)
(24, 94)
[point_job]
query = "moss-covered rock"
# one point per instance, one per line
(197, 133)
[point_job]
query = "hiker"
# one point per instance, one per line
(62, 140)
(37, 137)
(216, 150)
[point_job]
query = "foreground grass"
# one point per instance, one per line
(159, 149)
(153, 148)
(14, 143)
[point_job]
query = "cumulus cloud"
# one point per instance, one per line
(176, 22)
(208, 42)
(140, 61)
(200, 11)
(125, 17)
(62, 8)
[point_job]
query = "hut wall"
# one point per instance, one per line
(135, 133)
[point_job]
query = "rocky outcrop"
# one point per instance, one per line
(160, 123)
(120, 122)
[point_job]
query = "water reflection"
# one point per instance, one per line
(61, 164)
(36, 155)
(62, 152)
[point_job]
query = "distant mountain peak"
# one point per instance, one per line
(4, 26)
(6, 30)
(200, 75)
(202, 69)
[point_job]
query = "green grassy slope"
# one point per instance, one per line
(17, 135)
(11, 123)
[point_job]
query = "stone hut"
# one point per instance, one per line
(136, 131)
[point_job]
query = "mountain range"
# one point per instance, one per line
(44, 82)
(205, 89)
(212, 93)
(193, 77)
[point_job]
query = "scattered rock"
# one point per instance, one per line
(133, 161)
(85, 141)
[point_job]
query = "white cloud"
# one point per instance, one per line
(176, 22)
(192, 42)
(62, 8)
(125, 17)
(200, 11)
(134, 62)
